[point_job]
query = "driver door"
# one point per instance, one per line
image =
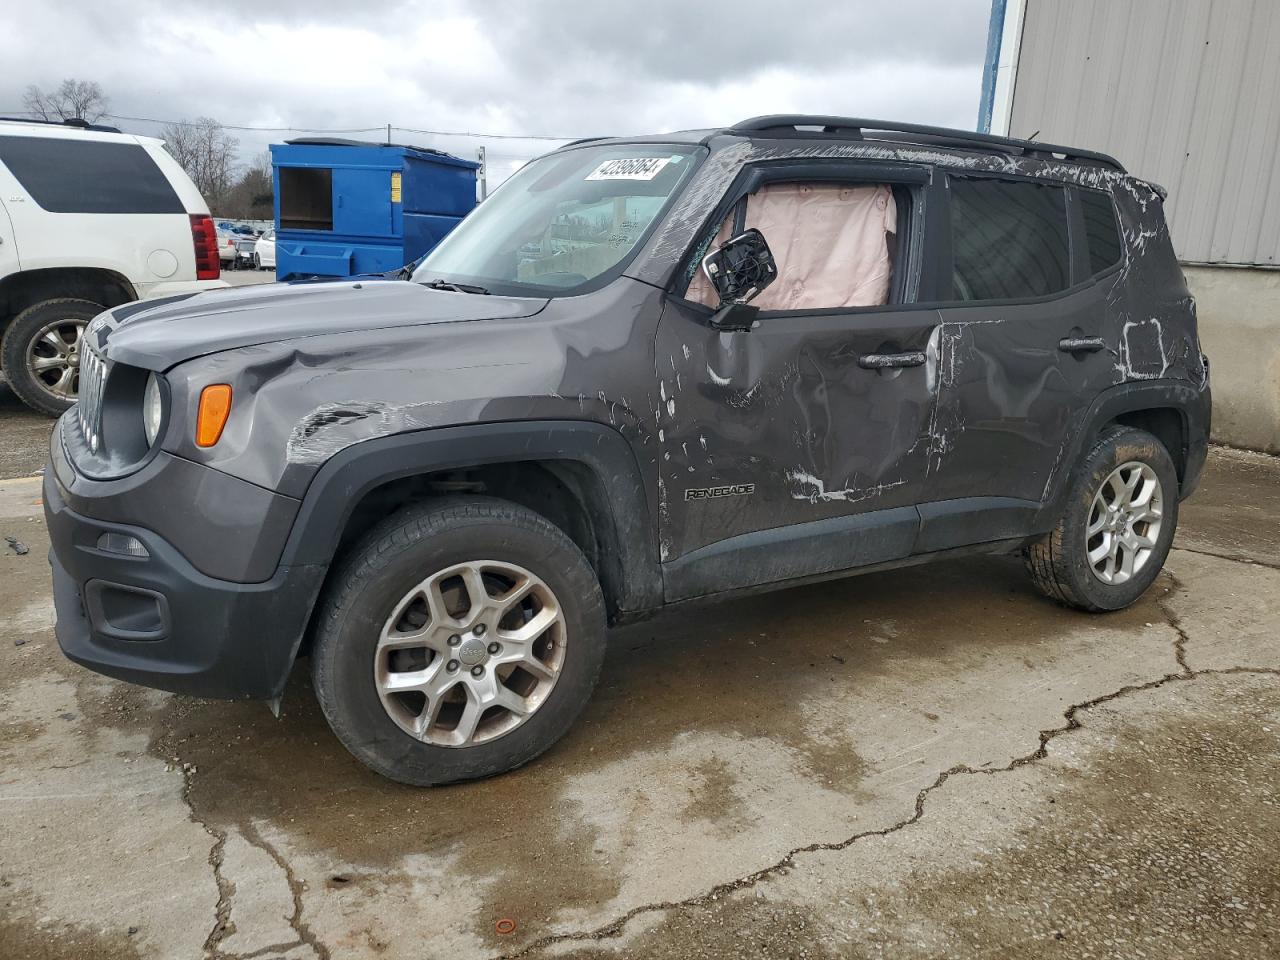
(799, 447)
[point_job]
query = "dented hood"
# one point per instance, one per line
(158, 334)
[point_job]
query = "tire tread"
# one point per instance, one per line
(1049, 560)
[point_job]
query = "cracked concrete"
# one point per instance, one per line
(920, 763)
(1113, 844)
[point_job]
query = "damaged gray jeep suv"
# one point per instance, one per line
(646, 371)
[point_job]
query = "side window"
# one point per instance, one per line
(88, 176)
(833, 244)
(1008, 239)
(1101, 230)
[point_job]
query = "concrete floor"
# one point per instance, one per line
(25, 444)
(924, 763)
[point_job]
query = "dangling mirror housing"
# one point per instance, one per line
(739, 271)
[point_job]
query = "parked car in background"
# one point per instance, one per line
(264, 255)
(70, 193)
(246, 245)
(643, 372)
(227, 248)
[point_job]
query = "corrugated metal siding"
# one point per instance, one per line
(1182, 92)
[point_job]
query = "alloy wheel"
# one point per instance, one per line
(470, 653)
(53, 358)
(1124, 522)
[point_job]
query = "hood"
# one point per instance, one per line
(158, 334)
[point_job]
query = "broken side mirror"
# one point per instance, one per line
(739, 270)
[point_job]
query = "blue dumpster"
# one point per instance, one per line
(343, 207)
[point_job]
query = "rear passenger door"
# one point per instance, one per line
(1025, 347)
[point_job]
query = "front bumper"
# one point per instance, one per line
(160, 622)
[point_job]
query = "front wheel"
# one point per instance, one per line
(1116, 528)
(461, 639)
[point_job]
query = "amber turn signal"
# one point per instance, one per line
(215, 407)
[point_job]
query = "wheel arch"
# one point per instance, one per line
(25, 288)
(1166, 424)
(1176, 412)
(582, 476)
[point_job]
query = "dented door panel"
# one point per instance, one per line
(788, 410)
(1009, 394)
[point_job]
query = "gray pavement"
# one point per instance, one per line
(921, 763)
(245, 278)
(24, 435)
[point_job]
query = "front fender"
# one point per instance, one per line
(619, 501)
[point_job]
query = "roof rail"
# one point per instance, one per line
(574, 143)
(77, 122)
(851, 128)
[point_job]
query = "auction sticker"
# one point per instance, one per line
(635, 168)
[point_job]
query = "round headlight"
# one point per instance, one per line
(152, 409)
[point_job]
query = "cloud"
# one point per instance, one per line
(561, 67)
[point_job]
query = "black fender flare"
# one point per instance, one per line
(630, 557)
(1191, 402)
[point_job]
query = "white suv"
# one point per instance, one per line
(90, 218)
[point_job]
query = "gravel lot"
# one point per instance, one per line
(923, 763)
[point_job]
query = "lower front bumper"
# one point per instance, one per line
(159, 622)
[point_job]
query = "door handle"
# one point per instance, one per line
(1081, 344)
(883, 361)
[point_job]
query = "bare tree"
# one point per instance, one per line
(251, 197)
(262, 164)
(208, 154)
(73, 100)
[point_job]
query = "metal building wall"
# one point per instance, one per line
(1182, 92)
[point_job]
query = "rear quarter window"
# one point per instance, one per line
(88, 176)
(1008, 239)
(1101, 230)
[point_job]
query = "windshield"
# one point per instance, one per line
(563, 222)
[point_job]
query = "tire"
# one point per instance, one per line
(39, 389)
(371, 587)
(1060, 562)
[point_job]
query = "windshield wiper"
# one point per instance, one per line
(406, 272)
(459, 287)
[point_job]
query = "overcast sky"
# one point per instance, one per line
(563, 68)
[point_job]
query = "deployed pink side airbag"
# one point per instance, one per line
(830, 243)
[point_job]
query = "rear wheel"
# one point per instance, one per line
(41, 352)
(462, 639)
(1117, 526)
